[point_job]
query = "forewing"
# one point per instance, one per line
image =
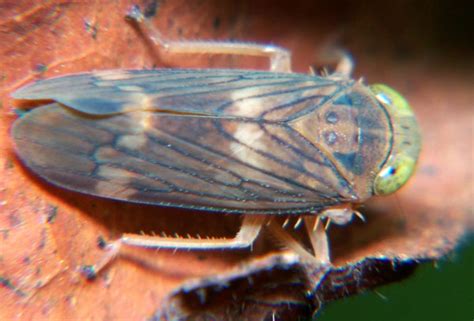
(228, 149)
(200, 92)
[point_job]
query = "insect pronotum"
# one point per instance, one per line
(258, 143)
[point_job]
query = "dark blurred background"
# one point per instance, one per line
(404, 27)
(442, 291)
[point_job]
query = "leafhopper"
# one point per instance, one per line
(257, 143)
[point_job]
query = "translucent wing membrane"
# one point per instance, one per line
(204, 139)
(201, 92)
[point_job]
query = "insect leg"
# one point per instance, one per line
(280, 58)
(251, 226)
(338, 215)
(343, 61)
(288, 241)
(318, 239)
(345, 65)
(248, 232)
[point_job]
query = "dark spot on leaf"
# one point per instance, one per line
(52, 213)
(101, 243)
(42, 242)
(151, 8)
(9, 285)
(91, 28)
(89, 272)
(41, 68)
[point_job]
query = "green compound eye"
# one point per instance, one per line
(394, 175)
(401, 163)
(390, 97)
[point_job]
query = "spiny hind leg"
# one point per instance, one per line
(317, 237)
(317, 231)
(280, 58)
(249, 230)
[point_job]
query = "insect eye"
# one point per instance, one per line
(390, 97)
(394, 174)
(406, 146)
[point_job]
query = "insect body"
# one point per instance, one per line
(236, 141)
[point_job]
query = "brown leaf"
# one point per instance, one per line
(47, 234)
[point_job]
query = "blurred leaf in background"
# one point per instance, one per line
(442, 292)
